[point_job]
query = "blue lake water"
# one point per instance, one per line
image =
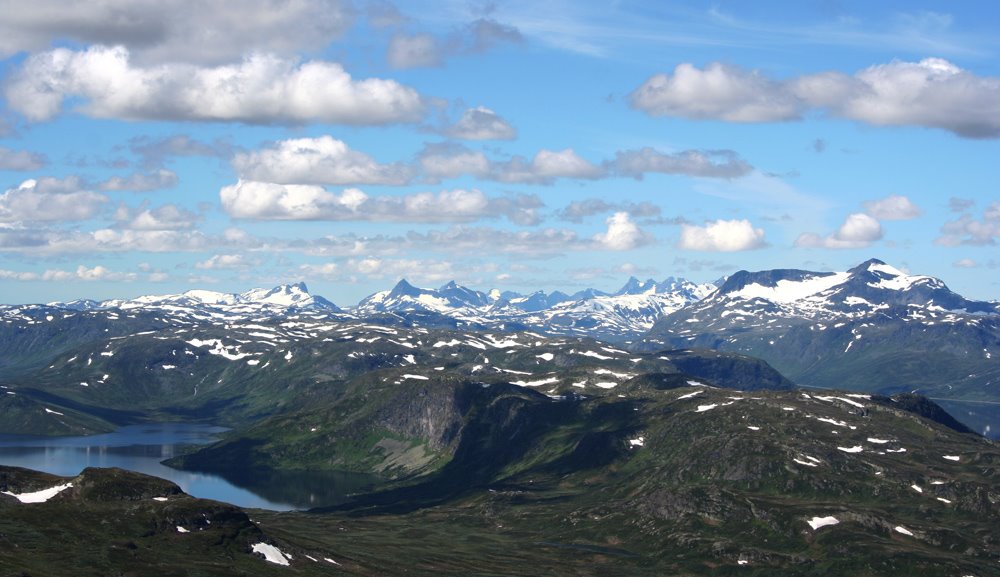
(982, 417)
(140, 448)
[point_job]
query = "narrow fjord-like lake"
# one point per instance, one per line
(141, 448)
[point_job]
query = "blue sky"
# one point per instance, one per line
(154, 147)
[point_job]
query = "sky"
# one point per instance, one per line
(151, 147)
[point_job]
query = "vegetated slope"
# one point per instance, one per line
(669, 477)
(665, 476)
(410, 420)
(246, 370)
(115, 522)
(845, 330)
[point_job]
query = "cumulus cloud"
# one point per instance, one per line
(260, 89)
(577, 210)
(49, 199)
(420, 271)
(892, 207)
(82, 273)
(704, 163)
(446, 160)
(322, 160)
(859, 230)
(481, 123)
(326, 270)
(414, 51)
(971, 231)
(20, 159)
(155, 151)
(622, 234)
(523, 243)
(383, 14)
(932, 93)
(423, 50)
(719, 92)
(49, 242)
(449, 160)
(166, 217)
(141, 182)
(224, 261)
(956, 204)
(546, 167)
(176, 30)
(271, 201)
(721, 236)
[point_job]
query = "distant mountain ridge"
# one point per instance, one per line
(284, 296)
(845, 329)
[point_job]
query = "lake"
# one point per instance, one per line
(141, 448)
(982, 417)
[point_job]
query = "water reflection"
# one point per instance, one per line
(141, 448)
(980, 416)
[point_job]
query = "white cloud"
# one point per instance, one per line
(893, 207)
(719, 91)
(481, 123)
(424, 50)
(968, 230)
(262, 88)
(577, 210)
(141, 182)
(82, 273)
(702, 163)
(176, 30)
(721, 236)
(321, 160)
(932, 93)
(224, 261)
(270, 201)
(546, 167)
(154, 152)
(450, 160)
(859, 230)
(383, 14)
(419, 271)
(440, 161)
(166, 217)
(622, 234)
(325, 270)
(49, 199)
(20, 159)
(414, 51)
(965, 263)
(524, 243)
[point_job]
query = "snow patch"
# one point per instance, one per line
(903, 530)
(271, 553)
(39, 496)
(703, 408)
(817, 522)
(854, 449)
(949, 457)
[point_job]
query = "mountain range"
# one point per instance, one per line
(809, 325)
(656, 430)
